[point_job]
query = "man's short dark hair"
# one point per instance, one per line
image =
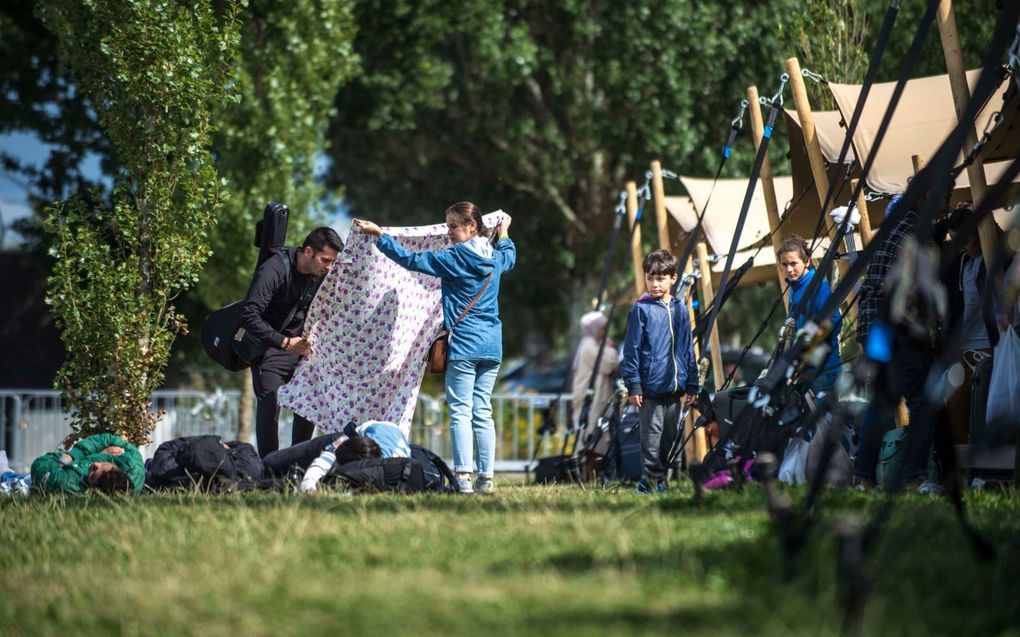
(322, 238)
(659, 263)
(357, 448)
(113, 481)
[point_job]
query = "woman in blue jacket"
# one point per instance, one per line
(796, 263)
(476, 345)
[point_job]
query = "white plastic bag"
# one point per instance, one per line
(1004, 387)
(792, 470)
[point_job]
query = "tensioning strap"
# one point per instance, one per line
(774, 106)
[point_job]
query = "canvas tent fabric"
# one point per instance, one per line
(370, 326)
(923, 119)
(721, 221)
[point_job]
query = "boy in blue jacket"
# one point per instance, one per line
(658, 366)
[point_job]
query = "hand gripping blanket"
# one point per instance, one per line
(370, 326)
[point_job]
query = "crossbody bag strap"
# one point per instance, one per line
(472, 303)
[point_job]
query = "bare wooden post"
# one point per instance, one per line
(946, 19)
(635, 242)
(707, 294)
(696, 446)
(767, 185)
(659, 194)
(814, 150)
(862, 207)
(244, 408)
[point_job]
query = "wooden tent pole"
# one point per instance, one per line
(767, 185)
(862, 207)
(946, 19)
(635, 242)
(814, 152)
(707, 294)
(814, 149)
(659, 194)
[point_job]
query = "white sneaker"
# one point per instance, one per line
(464, 484)
(485, 486)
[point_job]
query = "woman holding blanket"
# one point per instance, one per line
(471, 268)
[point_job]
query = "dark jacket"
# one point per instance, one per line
(658, 352)
(52, 474)
(191, 460)
(275, 289)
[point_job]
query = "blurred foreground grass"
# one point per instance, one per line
(530, 560)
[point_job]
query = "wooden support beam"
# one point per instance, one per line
(814, 150)
(767, 185)
(707, 294)
(862, 207)
(659, 194)
(635, 242)
(946, 19)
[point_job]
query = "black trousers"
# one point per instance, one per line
(301, 454)
(272, 371)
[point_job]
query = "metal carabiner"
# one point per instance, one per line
(621, 205)
(738, 121)
(777, 99)
(811, 75)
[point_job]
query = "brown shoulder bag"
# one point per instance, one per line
(435, 360)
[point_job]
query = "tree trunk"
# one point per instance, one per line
(244, 409)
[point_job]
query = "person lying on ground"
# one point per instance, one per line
(203, 461)
(388, 437)
(279, 463)
(103, 462)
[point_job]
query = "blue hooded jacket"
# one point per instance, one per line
(833, 363)
(479, 335)
(658, 352)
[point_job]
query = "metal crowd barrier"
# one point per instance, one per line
(33, 422)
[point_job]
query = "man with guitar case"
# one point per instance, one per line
(267, 333)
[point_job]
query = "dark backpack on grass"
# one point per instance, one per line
(400, 475)
(438, 475)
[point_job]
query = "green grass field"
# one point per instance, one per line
(530, 561)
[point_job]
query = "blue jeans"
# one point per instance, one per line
(469, 396)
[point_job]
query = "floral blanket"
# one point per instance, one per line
(370, 326)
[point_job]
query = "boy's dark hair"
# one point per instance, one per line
(357, 448)
(660, 263)
(113, 481)
(322, 238)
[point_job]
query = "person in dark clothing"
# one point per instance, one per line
(281, 292)
(205, 461)
(904, 375)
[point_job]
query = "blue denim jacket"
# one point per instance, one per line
(658, 352)
(479, 335)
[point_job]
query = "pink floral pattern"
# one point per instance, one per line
(370, 326)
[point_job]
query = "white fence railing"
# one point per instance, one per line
(33, 422)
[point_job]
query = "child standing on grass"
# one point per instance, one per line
(659, 366)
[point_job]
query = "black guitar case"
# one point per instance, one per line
(219, 328)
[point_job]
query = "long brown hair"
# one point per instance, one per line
(465, 212)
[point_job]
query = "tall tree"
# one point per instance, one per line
(293, 58)
(544, 108)
(154, 71)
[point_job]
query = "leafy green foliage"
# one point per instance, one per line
(544, 109)
(293, 58)
(153, 71)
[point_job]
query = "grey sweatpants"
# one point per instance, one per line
(660, 427)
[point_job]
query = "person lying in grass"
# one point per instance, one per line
(103, 462)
